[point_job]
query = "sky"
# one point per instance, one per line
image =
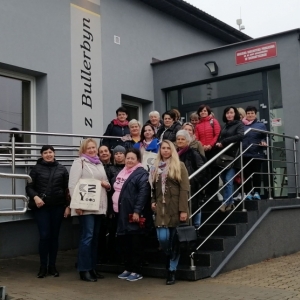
(260, 17)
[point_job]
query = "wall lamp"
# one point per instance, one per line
(212, 67)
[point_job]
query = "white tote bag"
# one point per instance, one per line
(148, 160)
(87, 194)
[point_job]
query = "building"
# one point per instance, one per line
(66, 65)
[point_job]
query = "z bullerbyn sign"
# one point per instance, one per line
(86, 71)
(256, 53)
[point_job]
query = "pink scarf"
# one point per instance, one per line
(93, 159)
(246, 122)
(121, 124)
(118, 185)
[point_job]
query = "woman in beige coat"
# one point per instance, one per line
(88, 165)
(170, 184)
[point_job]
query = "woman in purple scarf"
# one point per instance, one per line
(86, 166)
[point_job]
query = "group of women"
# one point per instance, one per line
(129, 192)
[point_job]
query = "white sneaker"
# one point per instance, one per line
(238, 197)
(220, 197)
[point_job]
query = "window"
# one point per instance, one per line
(223, 88)
(134, 110)
(17, 104)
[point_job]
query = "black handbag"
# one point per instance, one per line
(186, 233)
(224, 160)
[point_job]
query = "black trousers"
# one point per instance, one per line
(255, 181)
(132, 247)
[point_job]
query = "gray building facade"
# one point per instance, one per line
(66, 65)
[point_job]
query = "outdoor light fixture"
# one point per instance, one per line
(212, 67)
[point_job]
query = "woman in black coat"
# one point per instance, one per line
(47, 192)
(169, 128)
(192, 161)
(232, 132)
(130, 199)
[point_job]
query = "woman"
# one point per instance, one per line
(148, 140)
(48, 190)
(88, 165)
(207, 132)
(232, 132)
(112, 171)
(132, 194)
(255, 153)
(170, 183)
(154, 120)
(194, 143)
(192, 161)
(104, 155)
(169, 128)
(194, 119)
(135, 133)
(117, 127)
(241, 112)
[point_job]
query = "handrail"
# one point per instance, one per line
(240, 156)
(17, 176)
(58, 134)
(14, 212)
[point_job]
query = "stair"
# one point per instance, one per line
(215, 249)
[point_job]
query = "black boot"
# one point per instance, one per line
(97, 274)
(42, 272)
(170, 278)
(87, 276)
(52, 271)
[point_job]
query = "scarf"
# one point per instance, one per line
(183, 150)
(163, 169)
(121, 124)
(93, 159)
(246, 122)
(145, 144)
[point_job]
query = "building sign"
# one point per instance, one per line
(86, 71)
(256, 53)
(276, 122)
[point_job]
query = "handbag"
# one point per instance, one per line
(148, 160)
(31, 202)
(141, 222)
(224, 160)
(186, 233)
(87, 194)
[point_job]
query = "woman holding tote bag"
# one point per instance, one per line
(88, 166)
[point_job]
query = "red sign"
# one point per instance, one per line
(256, 53)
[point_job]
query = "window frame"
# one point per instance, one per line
(31, 79)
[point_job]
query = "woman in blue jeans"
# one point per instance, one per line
(49, 205)
(170, 183)
(232, 132)
(87, 166)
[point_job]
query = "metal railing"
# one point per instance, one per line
(24, 154)
(21, 197)
(241, 187)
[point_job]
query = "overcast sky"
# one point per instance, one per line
(260, 17)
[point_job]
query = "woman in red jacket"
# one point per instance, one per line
(207, 132)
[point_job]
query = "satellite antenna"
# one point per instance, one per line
(239, 21)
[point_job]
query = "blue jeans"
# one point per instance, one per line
(166, 238)
(49, 220)
(197, 219)
(228, 176)
(88, 243)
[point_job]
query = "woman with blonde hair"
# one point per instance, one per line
(170, 188)
(88, 165)
(194, 143)
(241, 112)
(135, 134)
